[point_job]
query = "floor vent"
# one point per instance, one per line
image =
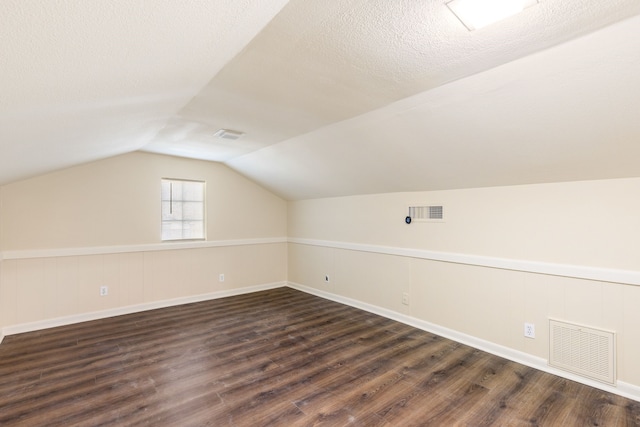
(584, 351)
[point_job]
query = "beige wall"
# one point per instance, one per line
(117, 202)
(45, 289)
(2, 313)
(581, 223)
(585, 224)
(105, 208)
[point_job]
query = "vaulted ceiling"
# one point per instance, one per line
(337, 97)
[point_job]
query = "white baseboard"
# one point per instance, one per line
(630, 391)
(85, 317)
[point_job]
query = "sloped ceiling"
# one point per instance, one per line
(338, 97)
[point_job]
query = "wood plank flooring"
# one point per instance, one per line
(278, 358)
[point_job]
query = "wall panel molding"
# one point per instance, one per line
(628, 277)
(103, 250)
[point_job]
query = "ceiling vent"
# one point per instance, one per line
(228, 134)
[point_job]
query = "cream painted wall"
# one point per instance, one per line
(2, 313)
(105, 210)
(580, 223)
(46, 289)
(588, 224)
(117, 202)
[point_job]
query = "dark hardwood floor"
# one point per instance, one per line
(278, 358)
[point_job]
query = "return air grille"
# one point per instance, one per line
(427, 213)
(583, 351)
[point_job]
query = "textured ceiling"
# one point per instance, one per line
(83, 80)
(336, 97)
(568, 113)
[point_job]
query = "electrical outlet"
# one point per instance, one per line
(221, 278)
(326, 279)
(405, 298)
(529, 330)
(104, 290)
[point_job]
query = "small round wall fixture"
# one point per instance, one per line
(407, 220)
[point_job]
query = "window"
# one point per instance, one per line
(182, 209)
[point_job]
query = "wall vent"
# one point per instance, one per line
(427, 213)
(584, 351)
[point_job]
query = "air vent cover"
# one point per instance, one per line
(427, 213)
(228, 134)
(583, 351)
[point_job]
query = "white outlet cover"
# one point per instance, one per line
(221, 278)
(529, 330)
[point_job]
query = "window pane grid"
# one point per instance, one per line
(182, 207)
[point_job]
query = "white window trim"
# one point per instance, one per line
(204, 212)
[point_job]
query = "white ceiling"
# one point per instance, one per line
(337, 97)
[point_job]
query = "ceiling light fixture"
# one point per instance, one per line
(228, 134)
(476, 14)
